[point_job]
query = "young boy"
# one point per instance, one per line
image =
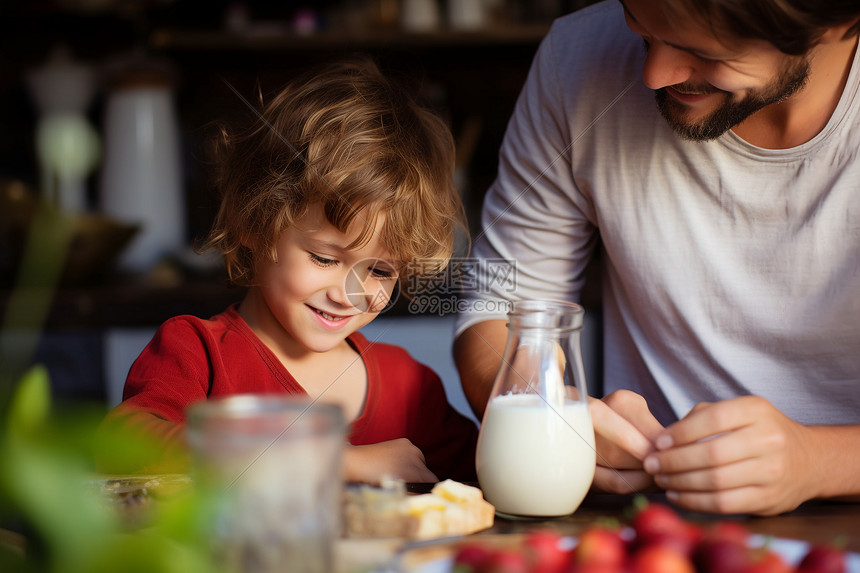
(343, 186)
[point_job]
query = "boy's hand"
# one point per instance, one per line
(395, 458)
(738, 455)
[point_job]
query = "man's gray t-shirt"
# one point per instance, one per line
(729, 269)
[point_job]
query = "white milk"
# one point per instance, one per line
(534, 460)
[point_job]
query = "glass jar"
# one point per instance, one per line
(271, 466)
(536, 454)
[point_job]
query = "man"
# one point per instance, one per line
(728, 221)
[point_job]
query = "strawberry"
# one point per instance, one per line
(654, 520)
(731, 530)
(659, 559)
(544, 552)
(766, 561)
(506, 561)
(472, 558)
(822, 558)
(598, 568)
(659, 524)
(600, 546)
(721, 555)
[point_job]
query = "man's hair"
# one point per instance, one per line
(349, 140)
(793, 26)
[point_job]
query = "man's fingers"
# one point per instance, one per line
(634, 408)
(613, 456)
(707, 420)
(618, 431)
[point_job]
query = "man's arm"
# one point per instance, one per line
(478, 353)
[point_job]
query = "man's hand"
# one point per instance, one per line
(624, 430)
(395, 458)
(737, 456)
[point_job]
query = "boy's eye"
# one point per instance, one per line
(381, 273)
(321, 261)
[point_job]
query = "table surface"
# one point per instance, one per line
(817, 521)
(812, 522)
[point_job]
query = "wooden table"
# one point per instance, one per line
(817, 521)
(813, 521)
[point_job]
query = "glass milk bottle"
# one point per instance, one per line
(536, 454)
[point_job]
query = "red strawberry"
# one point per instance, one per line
(507, 561)
(731, 530)
(683, 541)
(598, 568)
(472, 558)
(600, 546)
(721, 555)
(544, 552)
(657, 559)
(766, 561)
(656, 519)
(822, 558)
(659, 524)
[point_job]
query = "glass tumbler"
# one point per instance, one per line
(536, 454)
(272, 468)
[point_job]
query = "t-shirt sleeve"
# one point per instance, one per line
(173, 371)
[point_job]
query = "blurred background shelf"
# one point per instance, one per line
(189, 39)
(126, 304)
(214, 49)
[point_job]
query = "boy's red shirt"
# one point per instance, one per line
(191, 359)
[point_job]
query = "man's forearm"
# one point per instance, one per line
(478, 353)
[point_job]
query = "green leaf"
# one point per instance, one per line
(143, 552)
(52, 493)
(31, 403)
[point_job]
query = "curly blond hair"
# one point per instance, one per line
(347, 139)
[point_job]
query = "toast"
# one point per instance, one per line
(451, 508)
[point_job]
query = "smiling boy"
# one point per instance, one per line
(341, 187)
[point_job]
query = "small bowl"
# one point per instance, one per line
(95, 240)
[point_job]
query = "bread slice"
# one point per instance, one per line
(451, 508)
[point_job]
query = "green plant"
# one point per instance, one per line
(47, 485)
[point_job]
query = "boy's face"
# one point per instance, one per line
(318, 291)
(704, 86)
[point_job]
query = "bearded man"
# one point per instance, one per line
(727, 219)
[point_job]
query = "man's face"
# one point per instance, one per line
(703, 86)
(730, 111)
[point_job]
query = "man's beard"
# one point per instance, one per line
(789, 81)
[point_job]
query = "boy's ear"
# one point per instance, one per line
(247, 241)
